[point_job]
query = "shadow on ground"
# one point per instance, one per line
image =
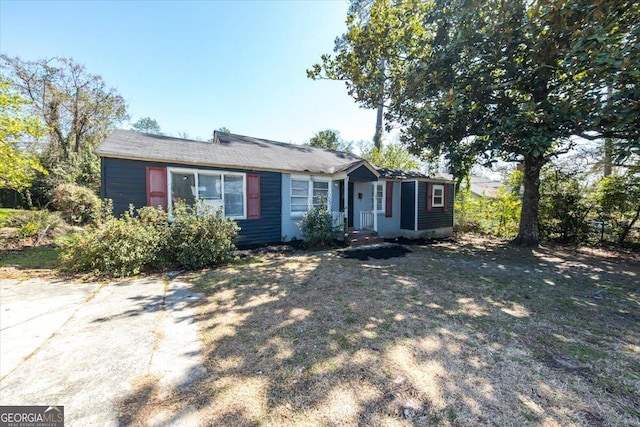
(457, 333)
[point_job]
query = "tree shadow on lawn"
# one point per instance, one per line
(466, 333)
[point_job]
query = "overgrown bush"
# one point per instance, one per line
(117, 247)
(563, 207)
(316, 226)
(77, 204)
(498, 216)
(144, 238)
(36, 223)
(617, 198)
(201, 236)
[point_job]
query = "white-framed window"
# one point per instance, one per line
(437, 196)
(220, 189)
(378, 197)
(320, 193)
(299, 195)
(307, 191)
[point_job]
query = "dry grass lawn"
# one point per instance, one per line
(473, 332)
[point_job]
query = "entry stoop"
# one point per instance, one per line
(363, 237)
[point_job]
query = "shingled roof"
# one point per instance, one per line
(400, 174)
(227, 150)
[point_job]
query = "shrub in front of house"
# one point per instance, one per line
(316, 226)
(201, 236)
(117, 247)
(144, 238)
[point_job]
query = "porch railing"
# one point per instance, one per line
(366, 220)
(337, 218)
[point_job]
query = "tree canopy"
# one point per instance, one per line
(18, 164)
(485, 80)
(391, 156)
(329, 139)
(147, 125)
(79, 110)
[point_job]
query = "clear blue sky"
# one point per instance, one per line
(195, 66)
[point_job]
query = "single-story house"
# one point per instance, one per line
(267, 186)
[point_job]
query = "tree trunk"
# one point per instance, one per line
(608, 146)
(377, 137)
(627, 229)
(528, 234)
(608, 157)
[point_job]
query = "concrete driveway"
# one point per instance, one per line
(85, 346)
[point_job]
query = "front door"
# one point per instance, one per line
(349, 202)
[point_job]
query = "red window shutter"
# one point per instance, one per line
(157, 186)
(429, 195)
(253, 196)
(445, 199)
(388, 211)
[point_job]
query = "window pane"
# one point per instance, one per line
(183, 187)
(300, 185)
(233, 195)
(210, 187)
(299, 195)
(376, 201)
(299, 204)
(320, 192)
(438, 195)
(321, 186)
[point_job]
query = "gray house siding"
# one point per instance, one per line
(362, 201)
(436, 217)
(390, 226)
(124, 181)
(408, 202)
(289, 228)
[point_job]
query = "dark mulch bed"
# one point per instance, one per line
(381, 252)
(288, 248)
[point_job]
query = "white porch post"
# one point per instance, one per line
(375, 206)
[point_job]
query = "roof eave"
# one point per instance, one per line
(212, 165)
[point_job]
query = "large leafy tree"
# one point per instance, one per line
(18, 162)
(78, 108)
(497, 79)
(329, 139)
(147, 125)
(390, 156)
